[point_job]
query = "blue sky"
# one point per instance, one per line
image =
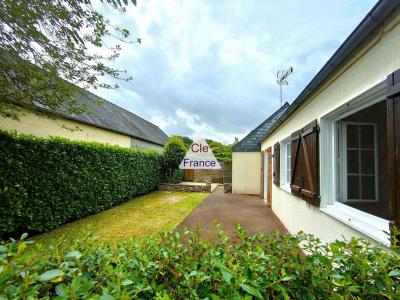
(207, 69)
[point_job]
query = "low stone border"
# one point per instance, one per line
(228, 187)
(176, 187)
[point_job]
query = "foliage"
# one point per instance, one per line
(168, 267)
(45, 44)
(174, 152)
(47, 182)
(221, 152)
(155, 212)
(187, 141)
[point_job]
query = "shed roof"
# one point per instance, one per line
(252, 141)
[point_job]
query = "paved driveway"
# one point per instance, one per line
(229, 210)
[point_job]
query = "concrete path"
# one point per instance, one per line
(229, 210)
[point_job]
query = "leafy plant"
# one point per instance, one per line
(172, 266)
(47, 182)
(46, 44)
(174, 152)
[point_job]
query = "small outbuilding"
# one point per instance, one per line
(247, 162)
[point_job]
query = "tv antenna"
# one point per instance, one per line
(281, 78)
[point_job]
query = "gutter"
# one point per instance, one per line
(375, 17)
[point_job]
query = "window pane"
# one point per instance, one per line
(288, 176)
(368, 187)
(367, 136)
(353, 187)
(367, 162)
(353, 161)
(352, 136)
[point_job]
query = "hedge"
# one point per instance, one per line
(255, 267)
(47, 182)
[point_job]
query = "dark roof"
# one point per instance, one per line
(252, 141)
(104, 114)
(372, 20)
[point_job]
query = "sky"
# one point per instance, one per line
(207, 69)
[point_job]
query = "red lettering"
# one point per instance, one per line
(197, 148)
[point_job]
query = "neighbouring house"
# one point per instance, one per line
(104, 122)
(247, 160)
(334, 152)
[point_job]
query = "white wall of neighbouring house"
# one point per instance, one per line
(373, 61)
(42, 126)
(144, 145)
(246, 172)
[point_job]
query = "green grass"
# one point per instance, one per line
(140, 217)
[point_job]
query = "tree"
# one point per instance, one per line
(221, 152)
(174, 152)
(187, 141)
(44, 47)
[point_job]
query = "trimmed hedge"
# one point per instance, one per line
(47, 182)
(170, 267)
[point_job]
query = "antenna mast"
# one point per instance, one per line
(281, 79)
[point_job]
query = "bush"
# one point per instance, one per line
(47, 182)
(174, 152)
(256, 267)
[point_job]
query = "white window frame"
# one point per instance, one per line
(342, 135)
(368, 224)
(285, 184)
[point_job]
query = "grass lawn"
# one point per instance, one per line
(152, 213)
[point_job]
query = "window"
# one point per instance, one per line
(358, 162)
(286, 162)
(354, 164)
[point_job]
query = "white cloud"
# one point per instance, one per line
(208, 68)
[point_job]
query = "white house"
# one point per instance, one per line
(336, 167)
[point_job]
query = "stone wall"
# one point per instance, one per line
(228, 187)
(177, 187)
(215, 176)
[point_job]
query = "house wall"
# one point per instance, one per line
(31, 123)
(143, 145)
(374, 60)
(246, 172)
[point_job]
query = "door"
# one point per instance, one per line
(189, 175)
(264, 174)
(269, 179)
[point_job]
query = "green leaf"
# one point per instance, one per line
(127, 282)
(106, 297)
(226, 274)
(51, 274)
(394, 273)
(288, 278)
(73, 254)
(251, 290)
(62, 290)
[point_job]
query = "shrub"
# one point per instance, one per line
(174, 152)
(256, 267)
(46, 182)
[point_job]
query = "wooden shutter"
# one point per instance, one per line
(277, 167)
(305, 163)
(393, 131)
